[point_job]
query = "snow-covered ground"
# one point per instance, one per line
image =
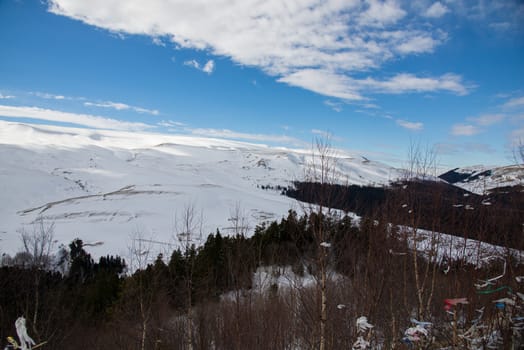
(445, 248)
(481, 179)
(103, 185)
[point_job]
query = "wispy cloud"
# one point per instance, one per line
(515, 102)
(408, 83)
(469, 147)
(158, 41)
(347, 88)
(436, 10)
(500, 26)
(192, 63)
(487, 119)
(319, 45)
(325, 83)
(56, 97)
(170, 124)
(322, 133)
(208, 67)
(495, 11)
(119, 106)
(73, 118)
(517, 136)
(414, 126)
(49, 96)
(334, 105)
(418, 44)
(6, 97)
(477, 125)
(327, 135)
(230, 134)
(464, 130)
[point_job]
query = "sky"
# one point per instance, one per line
(375, 75)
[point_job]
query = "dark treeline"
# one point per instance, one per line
(495, 217)
(209, 292)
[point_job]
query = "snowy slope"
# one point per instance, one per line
(104, 185)
(480, 179)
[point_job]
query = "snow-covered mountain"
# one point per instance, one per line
(481, 179)
(102, 185)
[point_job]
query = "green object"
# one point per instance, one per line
(491, 291)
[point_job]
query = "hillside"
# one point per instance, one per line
(105, 185)
(495, 217)
(481, 179)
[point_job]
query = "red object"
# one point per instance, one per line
(449, 303)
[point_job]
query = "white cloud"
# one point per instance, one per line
(325, 83)
(418, 44)
(500, 26)
(464, 130)
(319, 45)
(73, 118)
(488, 119)
(121, 106)
(6, 97)
(380, 13)
(329, 84)
(436, 10)
(336, 106)
(158, 41)
(406, 83)
(192, 63)
(369, 105)
(208, 68)
(515, 102)
(414, 126)
(49, 96)
(170, 124)
(229, 134)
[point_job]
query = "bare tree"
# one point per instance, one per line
(188, 232)
(422, 165)
(239, 267)
(38, 246)
(140, 255)
(239, 220)
(422, 162)
(39, 243)
(321, 173)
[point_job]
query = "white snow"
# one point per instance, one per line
(500, 176)
(449, 248)
(102, 186)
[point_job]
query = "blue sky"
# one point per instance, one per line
(377, 75)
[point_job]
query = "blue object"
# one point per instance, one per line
(500, 305)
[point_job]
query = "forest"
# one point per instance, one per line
(419, 264)
(321, 279)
